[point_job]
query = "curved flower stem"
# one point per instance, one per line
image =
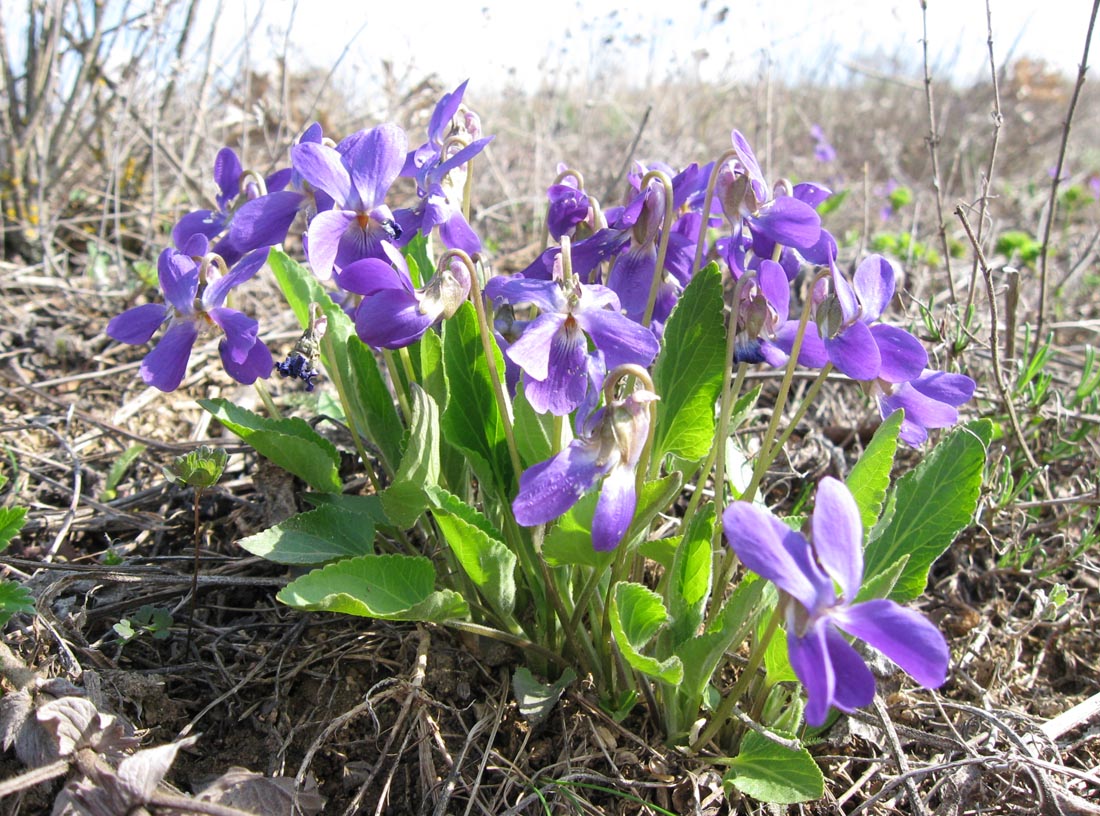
(662, 244)
(768, 450)
(399, 386)
(265, 398)
(576, 637)
(538, 578)
(764, 460)
(807, 401)
(708, 200)
(725, 708)
(717, 456)
(488, 345)
(406, 363)
(567, 261)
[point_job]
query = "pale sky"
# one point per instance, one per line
(497, 43)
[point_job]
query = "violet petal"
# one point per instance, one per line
(903, 635)
(854, 352)
(324, 235)
(165, 365)
(772, 550)
(809, 657)
(256, 365)
(138, 324)
(323, 168)
(874, 284)
(550, 488)
(838, 536)
(615, 509)
(903, 356)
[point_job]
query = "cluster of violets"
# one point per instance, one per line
(588, 312)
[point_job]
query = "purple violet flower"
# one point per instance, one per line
(764, 307)
(392, 313)
(608, 447)
(356, 174)
(195, 305)
(747, 201)
(807, 572)
(552, 350)
(253, 212)
(823, 151)
(929, 401)
(843, 333)
(440, 183)
(631, 275)
(569, 207)
(449, 118)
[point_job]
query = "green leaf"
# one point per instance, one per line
(290, 443)
(661, 550)
(200, 468)
(351, 365)
(387, 587)
(368, 506)
(655, 498)
(870, 477)
(770, 772)
(931, 504)
(472, 421)
(777, 659)
(416, 253)
(14, 598)
(118, 470)
(689, 580)
(405, 499)
(11, 522)
(570, 539)
(536, 700)
(688, 372)
(702, 654)
(637, 613)
(534, 432)
(373, 406)
(314, 537)
(490, 565)
(430, 347)
(881, 585)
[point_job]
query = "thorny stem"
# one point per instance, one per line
(933, 147)
(987, 181)
(994, 351)
(730, 700)
(662, 244)
(1053, 200)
